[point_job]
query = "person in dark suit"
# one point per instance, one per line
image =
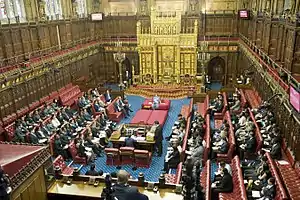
(89, 143)
(59, 149)
(122, 190)
(158, 137)
(93, 172)
(19, 135)
(129, 142)
(224, 185)
(137, 196)
(107, 96)
(4, 184)
(269, 192)
(33, 138)
(172, 160)
(275, 149)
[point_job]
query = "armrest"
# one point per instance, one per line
(69, 165)
(79, 168)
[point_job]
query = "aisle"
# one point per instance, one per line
(153, 173)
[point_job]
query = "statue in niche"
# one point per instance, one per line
(174, 29)
(169, 30)
(155, 30)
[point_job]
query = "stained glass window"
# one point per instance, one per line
(53, 9)
(12, 9)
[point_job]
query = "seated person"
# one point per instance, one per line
(222, 166)
(172, 159)
(247, 144)
(216, 107)
(95, 93)
(55, 122)
(55, 104)
(60, 118)
(108, 97)
(197, 152)
(86, 115)
(59, 149)
(99, 106)
(130, 142)
(65, 140)
(220, 147)
(237, 104)
(70, 111)
(275, 149)
(269, 191)
(19, 135)
(261, 180)
(93, 144)
(178, 134)
(93, 172)
(156, 102)
(64, 114)
(84, 151)
(121, 107)
(122, 190)
(36, 117)
(29, 120)
(225, 184)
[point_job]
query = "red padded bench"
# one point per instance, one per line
(141, 117)
(205, 180)
(225, 106)
(187, 129)
(290, 178)
(164, 105)
(252, 98)
(159, 115)
(175, 178)
(258, 136)
(280, 190)
(239, 190)
(207, 139)
(112, 114)
(202, 107)
(231, 141)
(65, 169)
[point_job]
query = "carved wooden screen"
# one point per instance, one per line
(63, 35)
(91, 30)
(17, 42)
(44, 37)
(187, 63)
(69, 34)
(20, 94)
(8, 43)
(42, 86)
(266, 36)
(147, 63)
(166, 60)
(53, 36)
(259, 33)
(289, 49)
(273, 41)
(1, 49)
(75, 31)
(296, 61)
(26, 40)
(34, 38)
(82, 30)
(279, 42)
(7, 103)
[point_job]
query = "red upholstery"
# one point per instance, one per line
(187, 130)
(22, 111)
(9, 119)
(221, 114)
(252, 98)
(207, 139)
(239, 191)
(10, 132)
(291, 179)
(60, 162)
(127, 155)
(112, 156)
(205, 179)
(69, 85)
(258, 136)
(175, 178)
(68, 96)
(231, 141)
(112, 114)
(202, 107)
(51, 144)
(34, 105)
(142, 158)
(76, 158)
(280, 191)
(44, 99)
(164, 105)
(159, 115)
(243, 98)
(141, 117)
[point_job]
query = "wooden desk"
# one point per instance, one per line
(81, 190)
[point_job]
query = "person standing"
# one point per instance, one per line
(158, 137)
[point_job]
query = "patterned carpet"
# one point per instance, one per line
(154, 171)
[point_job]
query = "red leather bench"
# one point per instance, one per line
(175, 178)
(225, 105)
(290, 178)
(280, 190)
(202, 107)
(74, 154)
(10, 132)
(112, 114)
(142, 158)
(258, 136)
(239, 190)
(205, 179)
(243, 98)
(164, 105)
(112, 156)
(9, 119)
(22, 111)
(252, 98)
(207, 139)
(231, 141)
(65, 169)
(187, 129)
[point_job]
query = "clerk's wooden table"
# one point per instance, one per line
(81, 190)
(141, 144)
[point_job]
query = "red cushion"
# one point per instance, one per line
(164, 105)
(141, 117)
(159, 115)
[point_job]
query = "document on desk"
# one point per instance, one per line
(140, 138)
(256, 194)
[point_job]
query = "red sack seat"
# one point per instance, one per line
(34, 105)
(164, 105)
(158, 115)
(127, 155)
(142, 158)
(65, 169)
(112, 156)
(75, 156)
(112, 114)
(141, 117)
(54, 95)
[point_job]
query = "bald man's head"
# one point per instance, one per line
(122, 177)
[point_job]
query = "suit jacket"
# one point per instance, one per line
(276, 151)
(97, 107)
(19, 134)
(129, 142)
(158, 134)
(107, 97)
(92, 173)
(45, 130)
(250, 145)
(137, 196)
(33, 138)
(123, 192)
(224, 147)
(269, 192)
(226, 184)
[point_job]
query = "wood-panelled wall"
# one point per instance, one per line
(280, 39)
(34, 188)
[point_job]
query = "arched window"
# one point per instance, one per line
(81, 8)
(11, 11)
(53, 9)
